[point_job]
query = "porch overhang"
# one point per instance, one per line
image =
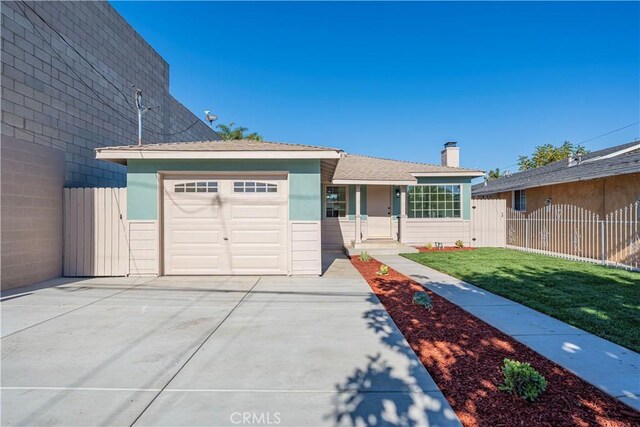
(413, 181)
(471, 174)
(372, 182)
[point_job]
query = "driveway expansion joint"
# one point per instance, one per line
(195, 352)
(73, 309)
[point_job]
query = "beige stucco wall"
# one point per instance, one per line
(600, 196)
(31, 184)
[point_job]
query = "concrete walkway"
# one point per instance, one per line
(211, 351)
(608, 366)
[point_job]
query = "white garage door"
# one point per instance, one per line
(225, 225)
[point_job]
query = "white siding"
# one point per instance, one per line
(336, 233)
(422, 231)
(306, 254)
(339, 232)
(143, 257)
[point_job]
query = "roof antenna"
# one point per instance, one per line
(210, 117)
(141, 109)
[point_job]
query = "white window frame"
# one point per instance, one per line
(513, 200)
(346, 200)
(451, 218)
(269, 187)
(199, 187)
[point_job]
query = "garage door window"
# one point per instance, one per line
(254, 187)
(196, 187)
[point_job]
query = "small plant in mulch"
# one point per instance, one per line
(429, 246)
(365, 257)
(422, 299)
(459, 244)
(463, 355)
(383, 270)
(520, 378)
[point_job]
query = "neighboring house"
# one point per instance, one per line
(67, 75)
(247, 207)
(602, 181)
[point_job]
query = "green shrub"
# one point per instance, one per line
(522, 379)
(383, 270)
(423, 299)
(365, 257)
(429, 245)
(459, 244)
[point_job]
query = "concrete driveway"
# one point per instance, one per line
(210, 351)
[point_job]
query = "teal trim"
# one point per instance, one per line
(305, 193)
(466, 201)
(142, 194)
(352, 202)
(445, 180)
(465, 183)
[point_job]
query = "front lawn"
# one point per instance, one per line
(601, 300)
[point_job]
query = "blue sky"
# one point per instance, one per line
(400, 79)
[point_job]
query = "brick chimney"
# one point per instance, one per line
(450, 156)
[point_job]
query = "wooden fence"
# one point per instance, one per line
(576, 233)
(488, 222)
(96, 238)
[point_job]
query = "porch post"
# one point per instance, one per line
(402, 218)
(358, 225)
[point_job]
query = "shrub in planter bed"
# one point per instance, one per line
(384, 270)
(423, 299)
(459, 244)
(429, 246)
(365, 257)
(522, 379)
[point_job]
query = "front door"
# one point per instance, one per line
(378, 211)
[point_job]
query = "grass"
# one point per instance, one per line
(601, 300)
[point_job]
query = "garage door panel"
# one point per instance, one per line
(204, 213)
(226, 232)
(258, 237)
(256, 212)
(267, 263)
(195, 264)
(189, 236)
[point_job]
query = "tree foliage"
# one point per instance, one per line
(494, 174)
(232, 132)
(548, 153)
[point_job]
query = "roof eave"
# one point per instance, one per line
(373, 182)
(484, 191)
(121, 156)
(447, 174)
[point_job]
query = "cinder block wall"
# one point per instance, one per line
(67, 74)
(53, 97)
(32, 178)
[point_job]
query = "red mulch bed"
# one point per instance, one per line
(464, 356)
(445, 249)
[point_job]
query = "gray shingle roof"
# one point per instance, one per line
(349, 166)
(591, 167)
(236, 145)
(363, 168)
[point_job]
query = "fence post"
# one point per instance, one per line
(526, 233)
(602, 236)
